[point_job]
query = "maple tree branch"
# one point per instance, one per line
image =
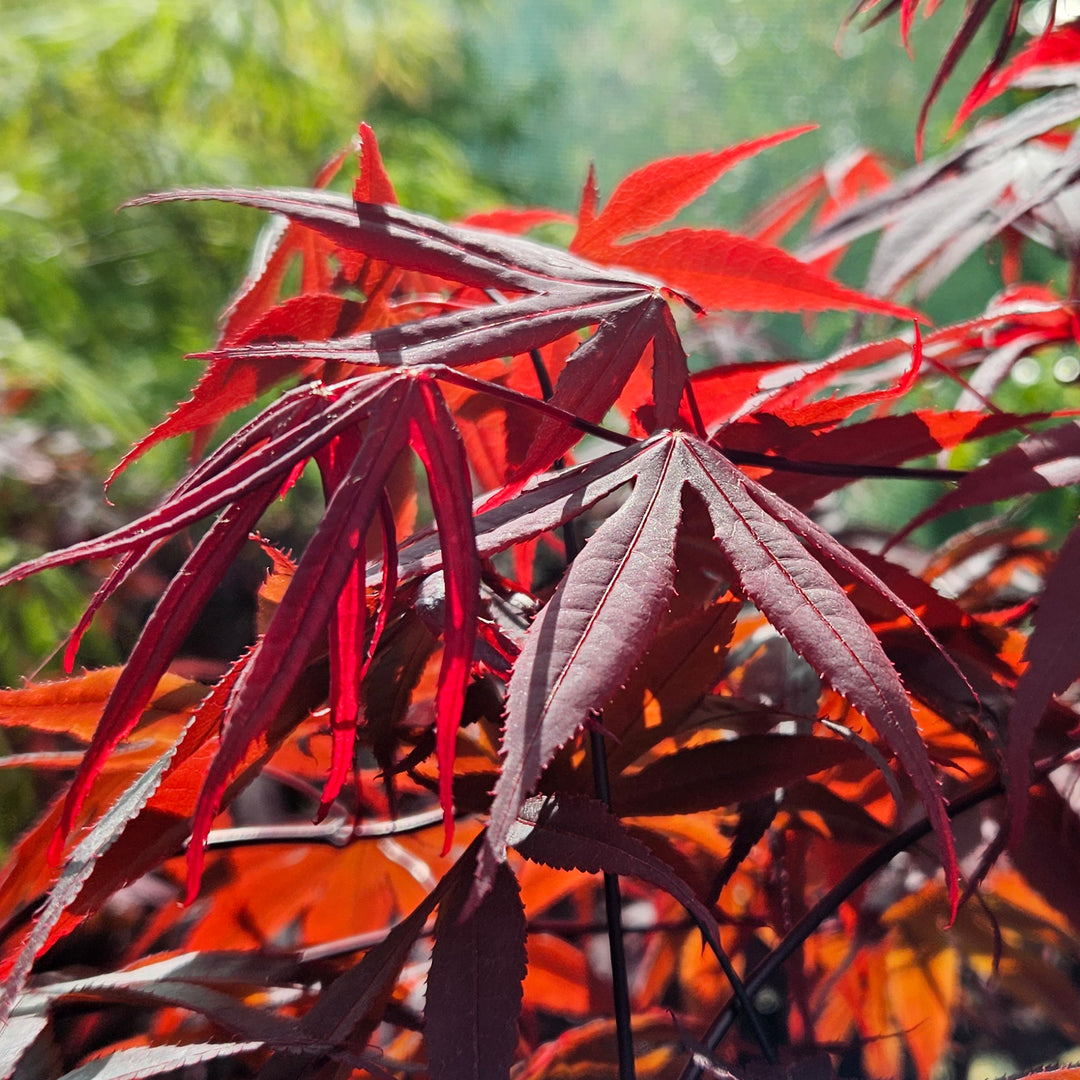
(336, 833)
(620, 980)
(575, 929)
(838, 468)
(826, 907)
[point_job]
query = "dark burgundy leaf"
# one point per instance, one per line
(1040, 462)
(350, 1008)
(974, 17)
(728, 771)
(544, 503)
(473, 999)
(573, 832)
(596, 373)
(304, 611)
(807, 606)
(415, 242)
(161, 637)
(615, 590)
(1053, 664)
(462, 337)
(1050, 841)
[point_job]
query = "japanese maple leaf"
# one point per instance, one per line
(718, 270)
(259, 311)
(1051, 59)
(975, 14)
(934, 216)
(240, 479)
(619, 587)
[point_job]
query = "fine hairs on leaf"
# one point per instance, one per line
(593, 629)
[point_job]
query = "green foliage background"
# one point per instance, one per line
(474, 101)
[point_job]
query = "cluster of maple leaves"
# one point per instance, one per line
(601, 629)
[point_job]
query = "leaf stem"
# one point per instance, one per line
(542, 376)
(471, 382)
(620, 976)
(691, 402)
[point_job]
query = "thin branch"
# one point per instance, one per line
(620, 979)
(825, 908)
(839, 468)
(336, 833)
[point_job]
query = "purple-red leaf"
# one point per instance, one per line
(1047, 460)
(573, 832)
(1053, 663)
(304, 611)
(163, 634)
(415, 242)
(974, 16)
(474, 990)
(543, 504)
(462, 337)
(810, 609)
(616, 590)
(595, 375)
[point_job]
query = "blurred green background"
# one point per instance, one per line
(475, 102)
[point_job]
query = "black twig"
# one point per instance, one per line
(620, 978)
(826, 907)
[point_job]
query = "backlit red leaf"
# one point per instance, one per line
(656, 192)
(305, 609)
(723, 271)
(439, 446)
